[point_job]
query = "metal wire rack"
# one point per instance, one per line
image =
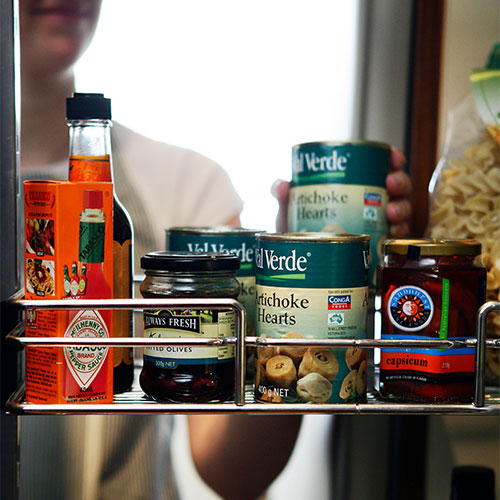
(134, 401)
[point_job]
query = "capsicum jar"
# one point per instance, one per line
(185, 373)
(430, 289)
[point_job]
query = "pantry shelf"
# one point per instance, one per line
(486, 400)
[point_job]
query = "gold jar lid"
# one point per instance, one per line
(430, 246)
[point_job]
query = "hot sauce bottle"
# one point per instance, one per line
(87, 373)
(430, 289)
(90, 159)
(82, 283)
(67, 282)
(74, 280)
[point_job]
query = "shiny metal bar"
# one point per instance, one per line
(241, 328)
(17, 336)
(135, 402)
(114, 341)
(112, 304)
(481, 318)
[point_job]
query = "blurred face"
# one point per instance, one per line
(55, 33)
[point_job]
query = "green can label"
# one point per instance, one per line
(314, 290)
(341, 188)
(241, 245)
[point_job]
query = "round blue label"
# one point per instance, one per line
(410, 308)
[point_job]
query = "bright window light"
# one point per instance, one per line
(240, 82)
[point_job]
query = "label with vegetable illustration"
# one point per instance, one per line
(311, 286)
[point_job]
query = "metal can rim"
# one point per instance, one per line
(359, 142)
(212, 231)
(314, 237)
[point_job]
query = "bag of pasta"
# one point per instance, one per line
(465, 189)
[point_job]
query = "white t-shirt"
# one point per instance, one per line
(177, 186)
(123, 456)
(161, 186)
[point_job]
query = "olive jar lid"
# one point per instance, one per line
(190, 261)
(429, 246)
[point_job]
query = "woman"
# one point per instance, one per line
(122, 456)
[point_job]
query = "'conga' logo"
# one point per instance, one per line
(410, 308)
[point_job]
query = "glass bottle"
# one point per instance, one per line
(82, 283)
(74, 280)
(67, 282)
(90, 159)
(188, 373)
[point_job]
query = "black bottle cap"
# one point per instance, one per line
(471, 482)
(88, 107)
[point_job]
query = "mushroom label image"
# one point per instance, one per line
(311, 286)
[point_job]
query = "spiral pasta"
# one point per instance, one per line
(466, 204)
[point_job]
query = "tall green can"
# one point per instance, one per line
(340, 187)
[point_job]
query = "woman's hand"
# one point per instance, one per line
(398, 188)
(280, 190)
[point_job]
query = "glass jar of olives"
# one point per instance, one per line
(185, 373)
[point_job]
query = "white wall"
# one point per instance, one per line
(240, 82)
(470, 30)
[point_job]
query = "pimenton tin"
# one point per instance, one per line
(226, 239)
(311, 285)
(431, 289)
(340, 187)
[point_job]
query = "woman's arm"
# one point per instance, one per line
(240, 455)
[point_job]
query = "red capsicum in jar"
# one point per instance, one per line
(431, 289)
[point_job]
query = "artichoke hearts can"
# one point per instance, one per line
(311, 285)
(340, 187)
(226, 239)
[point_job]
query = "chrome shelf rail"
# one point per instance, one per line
(135, 402)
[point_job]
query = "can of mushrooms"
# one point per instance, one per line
(312, 286)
